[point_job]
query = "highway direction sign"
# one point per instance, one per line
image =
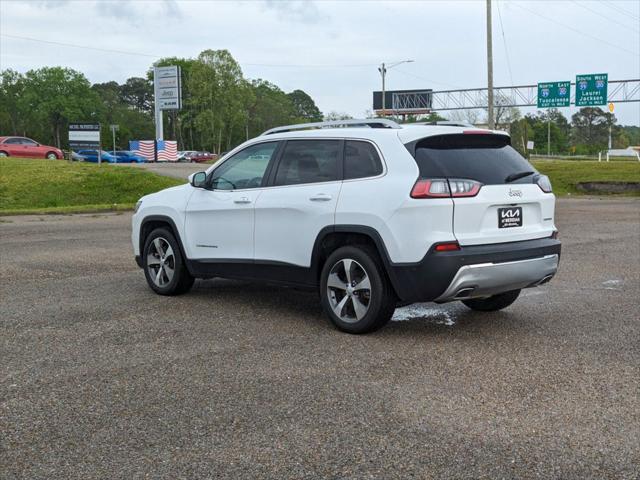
(591, 90)
(554, 94)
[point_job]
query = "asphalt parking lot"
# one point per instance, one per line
(100, 378)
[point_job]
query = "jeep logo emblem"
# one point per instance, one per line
(515, 193)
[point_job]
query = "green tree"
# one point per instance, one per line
(55, 96)
(590, 129)
(304, 107)
(11, 90)
(137, 93)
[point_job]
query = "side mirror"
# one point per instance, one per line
(198, 179)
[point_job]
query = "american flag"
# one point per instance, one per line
(167, 149)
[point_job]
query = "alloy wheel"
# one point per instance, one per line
(161, 262)
(349, 290)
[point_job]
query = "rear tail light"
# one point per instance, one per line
(447, 247)
(443, 188)
(544, 183)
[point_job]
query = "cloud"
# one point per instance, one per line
(135, 12)
(305, 11)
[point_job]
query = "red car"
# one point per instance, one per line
(25, 147)
(199, 157)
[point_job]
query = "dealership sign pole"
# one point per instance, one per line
(85, 135)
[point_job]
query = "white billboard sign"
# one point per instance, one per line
(167, 87)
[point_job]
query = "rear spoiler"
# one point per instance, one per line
(466, 139)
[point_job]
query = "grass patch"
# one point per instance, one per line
(49, 186)
(565, 174)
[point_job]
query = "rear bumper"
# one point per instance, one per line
(486, 279)
(480, 269)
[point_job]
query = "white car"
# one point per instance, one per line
(373, 215)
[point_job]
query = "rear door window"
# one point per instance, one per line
(308, 161)
(361, 160)
(486, 158)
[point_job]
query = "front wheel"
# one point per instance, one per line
(51, 156)
(355, 292)
(163, 264)
(493, 303)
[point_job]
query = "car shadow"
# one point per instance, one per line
(426, 318)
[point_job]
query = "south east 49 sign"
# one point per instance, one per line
(554, 94)
(591, 90)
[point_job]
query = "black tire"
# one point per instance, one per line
(494, 303)
(380, 301)
(180, 280)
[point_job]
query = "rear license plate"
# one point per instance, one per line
(509, 217)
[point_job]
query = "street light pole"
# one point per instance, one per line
(383, 71)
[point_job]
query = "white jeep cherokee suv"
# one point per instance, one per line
(374, 215)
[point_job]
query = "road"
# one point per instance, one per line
(100, 378)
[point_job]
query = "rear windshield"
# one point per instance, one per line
(489, 159)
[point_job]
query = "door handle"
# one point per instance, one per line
(242, 200)
(320, 197)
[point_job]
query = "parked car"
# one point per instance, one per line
(195, 156)
(25, 147)
(92, 156)
(76, 157)
(127, 156)
(184, 155)
(370, 217)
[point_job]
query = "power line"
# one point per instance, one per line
(148, 55)
(504, 42)
(427, 79)
(108, 50)
(605, 17)
(621, 10)
(549, 19)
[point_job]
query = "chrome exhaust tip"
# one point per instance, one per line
(464, 293)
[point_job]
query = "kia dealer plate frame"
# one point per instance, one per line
(509, 217)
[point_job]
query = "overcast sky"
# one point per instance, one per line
(331, 48)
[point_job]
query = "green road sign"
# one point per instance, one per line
(554, 94)
(591, 90)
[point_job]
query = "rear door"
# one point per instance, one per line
(509, 206)
(14, 147)
(300, 201)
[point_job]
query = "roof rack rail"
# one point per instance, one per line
(368, 122)
(446, 123)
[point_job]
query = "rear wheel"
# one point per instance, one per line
(163, 264)
(355, 292)
(493, 303)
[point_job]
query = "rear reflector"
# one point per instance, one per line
(443, 188)
(447, 247)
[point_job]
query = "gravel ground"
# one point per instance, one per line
(100, 378)
(179, 170)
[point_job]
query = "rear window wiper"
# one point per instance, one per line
(516, 176)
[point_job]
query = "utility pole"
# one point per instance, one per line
(383, 71)
(548, 134)
(489, 68)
